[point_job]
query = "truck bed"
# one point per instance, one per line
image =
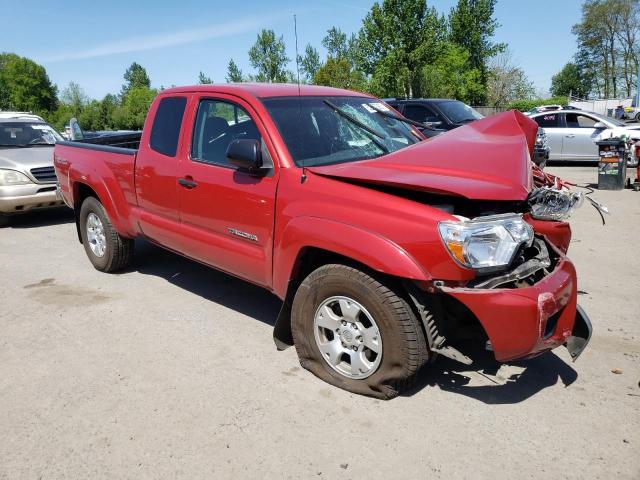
(124, 140)
(107, 168)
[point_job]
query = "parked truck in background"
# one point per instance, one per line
(385, 249)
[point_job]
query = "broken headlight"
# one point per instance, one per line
(552, 204)
(486, 243)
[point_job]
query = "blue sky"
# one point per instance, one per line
(93, 45)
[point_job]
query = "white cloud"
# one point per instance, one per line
(168, 39)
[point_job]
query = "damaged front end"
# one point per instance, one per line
(524, 294)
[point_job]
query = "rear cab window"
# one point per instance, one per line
(167, 123)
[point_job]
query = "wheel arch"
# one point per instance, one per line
(81, 191)
(118, 214)
(308, 243)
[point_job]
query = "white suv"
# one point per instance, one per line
(27, 177)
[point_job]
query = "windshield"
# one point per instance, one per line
(326, 130)
(459, 112)
(26, 134)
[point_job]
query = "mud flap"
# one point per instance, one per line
(580, 335)
(282, 330)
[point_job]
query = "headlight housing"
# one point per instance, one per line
(11, 177)
(486, 243)
(553, 204)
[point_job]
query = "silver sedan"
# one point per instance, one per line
(572, 134)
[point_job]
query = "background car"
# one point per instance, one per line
(27, 177)
(440, 114)
(541, 149)
(572, 134)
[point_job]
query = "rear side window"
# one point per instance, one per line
(548, 120)
(166, 125)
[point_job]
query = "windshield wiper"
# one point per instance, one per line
(372, 133)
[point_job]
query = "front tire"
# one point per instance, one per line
(357, 332)
(4, 220)
(106, 249)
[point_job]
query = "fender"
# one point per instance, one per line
(111, 196)
(366, 247)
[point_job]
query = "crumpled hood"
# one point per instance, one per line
(486, 160)
(24, 159)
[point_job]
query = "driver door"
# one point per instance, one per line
(227, 216)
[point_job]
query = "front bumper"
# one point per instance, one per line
(22, 198)
(524, 322)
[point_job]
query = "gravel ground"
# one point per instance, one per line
(169, 371)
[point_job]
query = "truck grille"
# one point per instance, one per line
(44, 174)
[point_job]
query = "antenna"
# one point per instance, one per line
(295, 31)
(303, 178)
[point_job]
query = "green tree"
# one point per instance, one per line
(608, 37)
(472, 26)
(91, 116)
(74, 98)
(596, 35)
(451, 77)
(268, 56)
(570, 81)
(130, 115)
(203, 79)
(335, 41)
(234, 74)
(108, 105)
(309, 63)
(506, 81)
(396, 41)
(25, 85)
(135, 76)
(337, 72)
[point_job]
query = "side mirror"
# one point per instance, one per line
(246, 155)
(600, 126)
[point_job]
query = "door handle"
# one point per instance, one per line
(569, 136)
(187, 183)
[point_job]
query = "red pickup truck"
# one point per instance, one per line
(386, 249)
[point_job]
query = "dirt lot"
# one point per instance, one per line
(169, 371)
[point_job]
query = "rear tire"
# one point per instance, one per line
(4, 220)
(346, 360)
(107, 250)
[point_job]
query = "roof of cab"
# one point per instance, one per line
(264, 90)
